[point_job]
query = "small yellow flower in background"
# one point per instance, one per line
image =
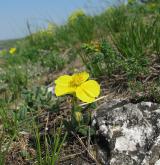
(85, 90)
(75, 15)
(96, 45)
(152, 6)
(12, 50)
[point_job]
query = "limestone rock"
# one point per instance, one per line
(127, 133)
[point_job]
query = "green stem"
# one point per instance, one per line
(75, 108)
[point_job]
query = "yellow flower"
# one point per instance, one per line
(152, 6)
(12, 50)
(96, 45)
(86, 91)
(75, 15)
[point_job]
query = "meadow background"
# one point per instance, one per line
(119, 47)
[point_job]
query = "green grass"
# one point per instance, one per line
(52, 147)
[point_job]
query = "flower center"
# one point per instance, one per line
(77, 80)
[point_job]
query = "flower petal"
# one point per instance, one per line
(63, 80)
(62, 90)
(88, 91)
(92, 88)
(63, 85)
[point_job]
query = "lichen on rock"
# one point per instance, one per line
(131, 132)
